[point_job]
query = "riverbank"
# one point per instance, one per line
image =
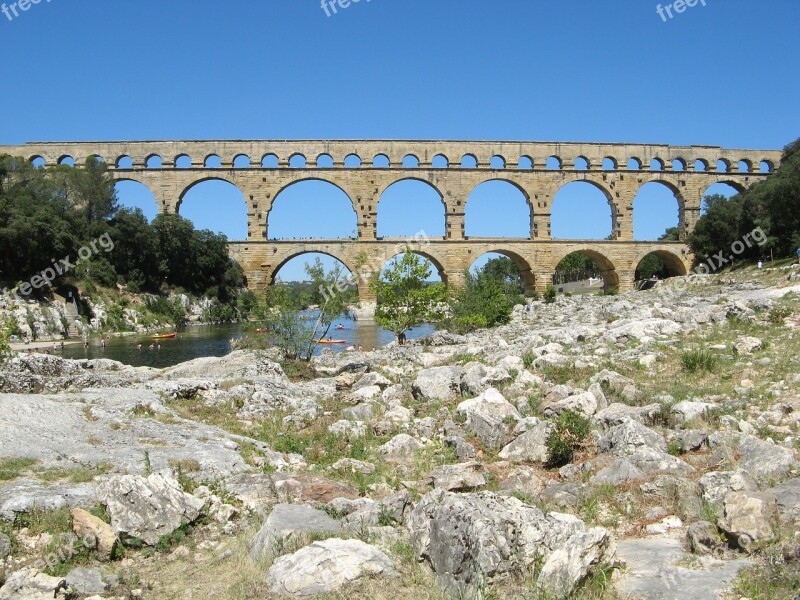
(674, 415)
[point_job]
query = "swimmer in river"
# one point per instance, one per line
(139, 347)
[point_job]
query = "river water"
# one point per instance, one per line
(215, 340)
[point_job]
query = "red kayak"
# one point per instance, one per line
(332, 342)
(164, 336)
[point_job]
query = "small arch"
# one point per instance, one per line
(410, 161)
(440, 161)
(324, 161)
(67, 160)
(381, 161)
(766, 166)
(723, 166)
(96, 157)
(525, 163)
(581, 164)
(352, 161)
(497, 162)
(659, 264)
(154, 161)
(701, 165)
(656, 164)
(297, 161)
(469, 161)
(745, 166)
(241, 161)
(609, 164)
(634, 164)
(124, 162)
(212, 161)
(270, 161)
(678, 165)
(183, 161)
(553, 163)
(38, 162)
(411, 197)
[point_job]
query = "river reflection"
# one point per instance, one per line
(215, 340)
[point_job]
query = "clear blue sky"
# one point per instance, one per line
(724, 74)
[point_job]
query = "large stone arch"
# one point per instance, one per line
(525, 270)
(285, 257)
(215, 177)
(608, 268)
(598, 183)
(293, 181)
(395, 181)
(502, 176)
(677, 265)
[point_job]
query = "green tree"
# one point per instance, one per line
(506, 271)
(405, 297)
(485, 301)
(719, 226)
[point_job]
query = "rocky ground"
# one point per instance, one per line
(426, 471)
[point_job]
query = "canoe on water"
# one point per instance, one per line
(164, 336)
(332, 342)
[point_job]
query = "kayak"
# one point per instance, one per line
(262, 330)
(164, 336)
(332, 342)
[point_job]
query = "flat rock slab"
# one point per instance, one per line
(656, 572)
(287, 520)
(22, 495)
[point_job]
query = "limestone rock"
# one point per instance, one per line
(438, 383)
(287, 521)
(471, 538)
(29, 584)
(400, 448)
(628, 437)
(147, 507)
(460, 477)
(486, 416)
(86, 525)
(326, 566)
(747, 517)
(531, 446)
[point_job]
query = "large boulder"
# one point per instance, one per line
(400, 448)
(787, 496)
(747, 517)
(326, 566)
(147, 507)
(287, 521)
(87, 526)
(531, 446)
(29, 584)
(765, 460)
(459, 477)
(469, 539)
(487, 416)
(629, 437)
(438, 383)
(716, 485)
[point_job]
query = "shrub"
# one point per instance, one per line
(698, 360)
(568, 434)
(528, 358)
(550, 294)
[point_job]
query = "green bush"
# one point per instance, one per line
(569, 432)
(699, 359)
(550, 294)
(485, 301)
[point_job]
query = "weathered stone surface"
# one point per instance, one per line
(303, 487)
(5, 546)
(147, 507)
(530, 446)
(487, 417)
(787, 498)
(29, 584)
(289, 520)
(88, 581)
(459, 477)
(326, 566)
(584, 403)
(620, 471)
(628, 437)
(469, 538)
(657, 570)
(354, 466)
(438, 383)
(86, 525)
(688, 410)
(747, 517)
(524, 480)
(23, 495)
(400, 448)
(703, 537)
(764, 460)
(716, 485)
(747, 344)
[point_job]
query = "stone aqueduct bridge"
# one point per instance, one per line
(686, 170)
